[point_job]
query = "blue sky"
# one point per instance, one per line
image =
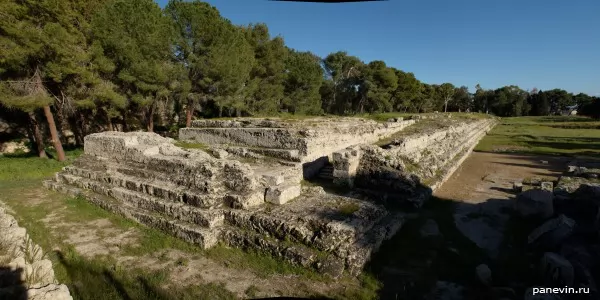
(530, 43)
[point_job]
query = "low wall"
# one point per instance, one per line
(313, 138)
(25, 271)
(412, 166)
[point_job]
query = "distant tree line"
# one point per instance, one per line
(88, 66)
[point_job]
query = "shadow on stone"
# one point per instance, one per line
(12, 285)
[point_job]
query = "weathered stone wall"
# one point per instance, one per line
(411, 166)
(206, 200)
(313, 138)
(25, 272)
(210, 196)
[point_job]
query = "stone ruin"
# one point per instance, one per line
(565, 246)
(26, 272)
(246, 186)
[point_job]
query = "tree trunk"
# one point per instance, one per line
(188, 113)
(37, 134)
(110, 124)
(150, 118)
(74, 126)
(54, 133)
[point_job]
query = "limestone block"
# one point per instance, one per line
(547, 186)
(556, 270)
(273, 179)
(282, 193)
(42, 271)
(49, 292)
(535, 203)
(518, 186)
(237, 201)
(550, 234)
(484, 274)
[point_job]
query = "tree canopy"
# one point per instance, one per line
(86, 66)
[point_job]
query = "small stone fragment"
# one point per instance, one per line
(535, 203)
(282, 194)
(484, 274)
(547, 186)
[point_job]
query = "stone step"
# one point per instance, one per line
(156, 188)
(203, 237)
(360, 252)
(324, 262)
(294, 253)
(207, 218)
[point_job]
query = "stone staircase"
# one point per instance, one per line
(326, 173)
(207, 201)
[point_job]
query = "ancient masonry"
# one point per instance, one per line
(26, 273)
(565, 247)
(244, 187)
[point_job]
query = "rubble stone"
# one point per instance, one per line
(556, 270)
(535, 203)
(550, 234)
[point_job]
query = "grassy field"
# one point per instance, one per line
(103, 277)
(556, 135)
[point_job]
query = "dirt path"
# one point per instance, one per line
(486, 176)
(483, 188)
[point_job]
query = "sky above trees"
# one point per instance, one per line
(534, 43)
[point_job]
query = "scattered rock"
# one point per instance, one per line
(484, 274)
(550, 234)
(556, 270)
(544, 162)
(518, 186)
(430, 231)
(283, 193)
(219, 153)
(535, 203)
(577, 252)
(535, 181)
(547, 186)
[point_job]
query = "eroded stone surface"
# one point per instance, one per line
(27, 274)
(238, 190)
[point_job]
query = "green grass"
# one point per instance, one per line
(187, 145)
(25, 167)
(555, 135)
(349, 209)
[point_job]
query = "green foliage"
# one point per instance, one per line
(303, 82)
(107, 62)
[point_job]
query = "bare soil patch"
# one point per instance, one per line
(484, 176)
